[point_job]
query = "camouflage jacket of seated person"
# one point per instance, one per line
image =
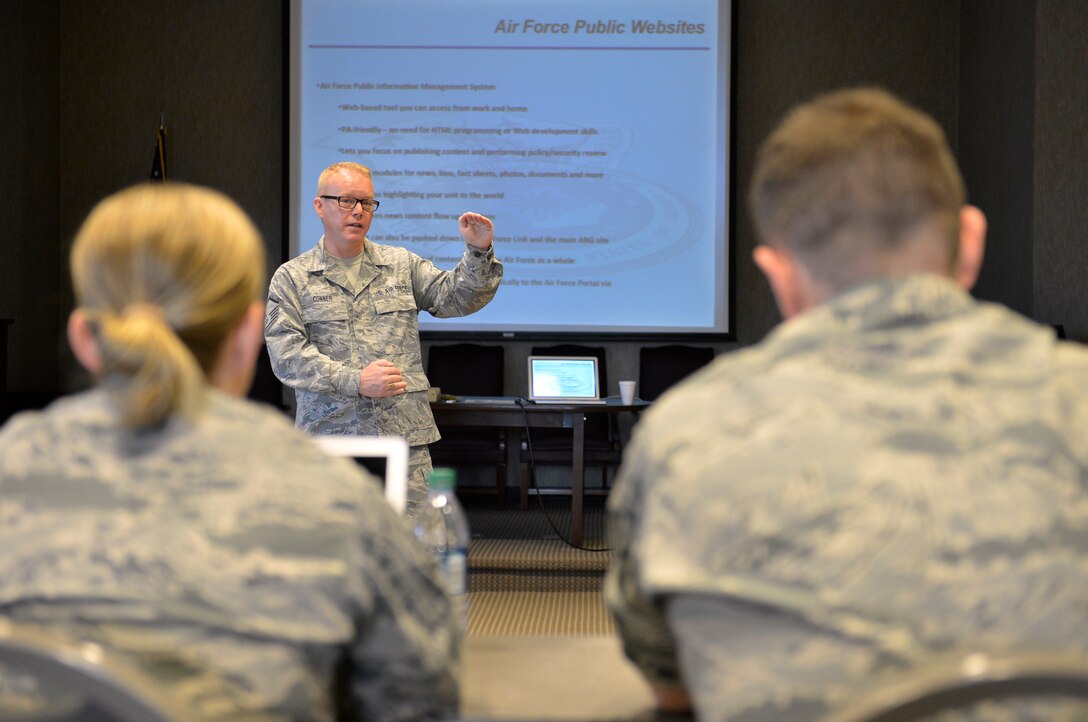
(229, 558)
(897, 473)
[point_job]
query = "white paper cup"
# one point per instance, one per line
(627, 392)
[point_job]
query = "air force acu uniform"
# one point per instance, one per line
(322, 330)
(230, 558)
(894, 474)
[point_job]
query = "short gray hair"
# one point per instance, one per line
(850, 177)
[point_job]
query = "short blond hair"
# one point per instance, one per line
(337, 167)
(852, 175)
(164, 272)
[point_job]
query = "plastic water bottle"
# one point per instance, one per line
(441, 526)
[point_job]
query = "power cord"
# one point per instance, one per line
(523, 404)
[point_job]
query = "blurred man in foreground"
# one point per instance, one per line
(896, 471)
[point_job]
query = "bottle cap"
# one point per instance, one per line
(442, 478)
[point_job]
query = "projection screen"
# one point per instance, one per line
(595, 133)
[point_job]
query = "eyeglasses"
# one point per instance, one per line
(348, 203)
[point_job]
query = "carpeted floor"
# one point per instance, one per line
(524, 580)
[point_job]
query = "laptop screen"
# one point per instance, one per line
(563, 379)
(385, 454)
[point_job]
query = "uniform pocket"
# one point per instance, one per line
(395, 329)
(394, 303)
(328, 329)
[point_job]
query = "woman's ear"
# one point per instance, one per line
(251, 334)
(84, 343)
(237, 361)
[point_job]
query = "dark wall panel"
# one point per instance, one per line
(214, 68)
(1060, 251)
(790, 51)
(31, 201)
(997, 84)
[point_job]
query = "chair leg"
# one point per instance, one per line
(523, 474)
(500, 485)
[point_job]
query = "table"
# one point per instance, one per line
(512, 418)
(551, 678)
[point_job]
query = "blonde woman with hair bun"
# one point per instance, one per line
(164, 307)
(191, 531)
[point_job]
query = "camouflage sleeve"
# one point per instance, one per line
(295, 360)
(466, 289)
(640, 620)
(405, 664)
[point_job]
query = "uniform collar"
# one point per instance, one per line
(318, 260)
(883, 304)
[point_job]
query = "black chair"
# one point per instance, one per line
(957, 682)
(467, 369)
(555, 447)
(48, 677)
(660, 367)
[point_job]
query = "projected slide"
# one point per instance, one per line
(593, 133)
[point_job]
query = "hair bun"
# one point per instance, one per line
(144, 312)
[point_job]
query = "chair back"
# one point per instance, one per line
(960, 681)
(467, 369)
(44, 676)
(660, 367)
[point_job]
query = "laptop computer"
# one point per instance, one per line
(384, 456)
(564, 380)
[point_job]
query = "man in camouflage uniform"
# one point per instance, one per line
(896, 471)
(342, 320)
